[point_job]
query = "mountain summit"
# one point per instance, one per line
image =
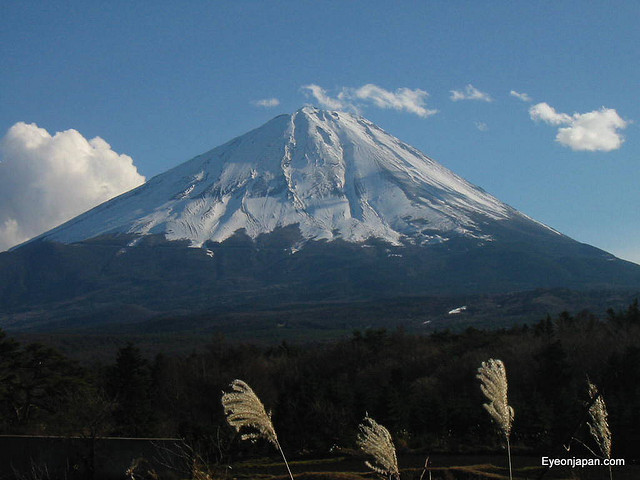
(334, 174)
(310, 208)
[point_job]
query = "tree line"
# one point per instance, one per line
(422, 388)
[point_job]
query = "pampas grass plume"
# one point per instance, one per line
(598, 425)
(493, 378)
(375, 440)
(244, 409)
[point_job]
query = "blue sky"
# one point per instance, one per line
(164, 81)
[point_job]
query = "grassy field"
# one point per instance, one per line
(442, 467)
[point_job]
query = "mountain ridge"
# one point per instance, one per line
(310, 208)
(334, 174)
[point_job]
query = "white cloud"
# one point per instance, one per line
(522, 96)
(403, 99)
(324, 100)
(546, 113)
(46, 180)
(592, 131)
(412, 101)
(597, 130)
(482, 126)
(470, 93)
(266, 102)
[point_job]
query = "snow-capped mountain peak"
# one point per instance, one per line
(334, 174)
(394, 224)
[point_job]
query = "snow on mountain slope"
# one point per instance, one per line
(334, 174)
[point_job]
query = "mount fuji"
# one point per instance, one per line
(335, 175)
(315, 206)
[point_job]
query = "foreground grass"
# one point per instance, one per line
(464, 468)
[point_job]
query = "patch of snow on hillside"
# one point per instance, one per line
(457, 311)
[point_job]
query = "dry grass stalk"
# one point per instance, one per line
(598, 426)
(140, 468)
(493, 378)
(494, 385)
(425, 469)
(244, 409)
(375, 440)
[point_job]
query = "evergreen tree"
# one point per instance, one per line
(129, 383)
(9, 354)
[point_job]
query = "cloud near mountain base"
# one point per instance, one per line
(46, 180)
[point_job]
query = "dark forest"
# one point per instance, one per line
(422, 388)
